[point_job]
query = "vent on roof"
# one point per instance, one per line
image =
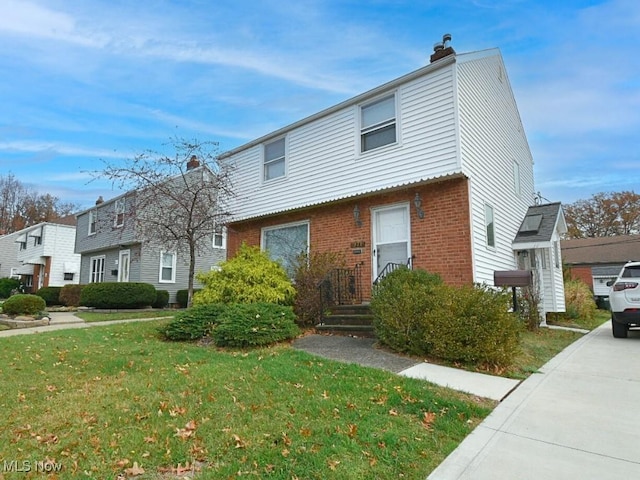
(531, 223)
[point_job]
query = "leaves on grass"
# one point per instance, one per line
(134, 471)
(427, 419)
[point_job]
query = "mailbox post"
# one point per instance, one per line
(513, 279)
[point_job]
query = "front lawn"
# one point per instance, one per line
(600, 317)
(116, 400)
(108, 316)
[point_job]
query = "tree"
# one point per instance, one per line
(179, 200)
(604, 215)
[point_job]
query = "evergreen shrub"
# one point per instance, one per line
(118, 295)
(182, 297)
(23, 304)
(7, 285)
(193, 323)
(51, 295)
(162, 299)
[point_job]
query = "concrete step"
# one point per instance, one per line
(350, 330)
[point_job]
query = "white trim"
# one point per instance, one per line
(93, 221)
(282, 226)
(493, 226)
(118, 209)
(285, 159)
(396, 120)
(173, 267)
(121, 255)
(223, 234)
(374, 224)
(97, 276)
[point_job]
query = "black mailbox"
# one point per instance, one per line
(512, 278)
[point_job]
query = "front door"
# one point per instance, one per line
(391, 234)
(123, 265)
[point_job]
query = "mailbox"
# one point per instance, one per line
(512, 278)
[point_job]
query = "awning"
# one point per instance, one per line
(21, 238)
(25, 270)
(36, 232)
(36, 261)
(71, 267)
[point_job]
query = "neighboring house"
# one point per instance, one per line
(432, 169)
(43, 255)
(112, 250)
(597, 260)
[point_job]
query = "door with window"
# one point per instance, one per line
(391, 238)
(124, 262)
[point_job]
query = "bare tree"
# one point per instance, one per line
(604, 215)
(179, 200)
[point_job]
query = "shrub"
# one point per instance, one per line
(118, 295)
(398, 303)
(23, 304)
(255, 324)
(51, 295)
(310, 270)
(70, 295)
(182, 297)
(7, 285)
(579, 302)
(162, 299)
(249, 277)
(194, 323)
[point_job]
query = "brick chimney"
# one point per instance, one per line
(99, 200)
(442, 49)
(193, 163)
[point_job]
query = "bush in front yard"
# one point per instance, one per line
(579, 302)
(51, 295)
(182, 297)
(194, 323)
(254, 324)
(398, 304)
(70, 295)
(249, 277)
(118, 295)
(23, 304)
(7, 285)
(162, 299)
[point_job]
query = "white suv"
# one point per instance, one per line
(624, 298)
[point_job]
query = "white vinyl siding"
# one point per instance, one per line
(167, 267)
(378, 123)
(274, 159)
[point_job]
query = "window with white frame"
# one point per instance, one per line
(274, 159)
(118, 219)
(378, 123)
(220, 237)
(97, 269)
(167, 267)
(489, 225)
(285, 243)
(93, 220)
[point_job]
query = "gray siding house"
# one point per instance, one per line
(112, 250)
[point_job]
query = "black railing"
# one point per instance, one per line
(341, 286)
(390, 267)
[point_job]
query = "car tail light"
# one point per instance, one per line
(618, 287)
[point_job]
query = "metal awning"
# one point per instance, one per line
(71, 267)
(36, 261)
(21, 238)
(25, 269)
(36, 232)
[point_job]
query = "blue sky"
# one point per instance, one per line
(85, 80)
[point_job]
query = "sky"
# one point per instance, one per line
(86, 82)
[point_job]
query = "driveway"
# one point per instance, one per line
(577, 419)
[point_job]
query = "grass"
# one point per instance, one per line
(102, 401)
(599, 318)
(105, 317)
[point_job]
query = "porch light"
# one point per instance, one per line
(417, 201)
(356, 216)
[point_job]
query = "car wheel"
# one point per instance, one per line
(620, 330)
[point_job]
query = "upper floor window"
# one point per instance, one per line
(378, 123)
(167, 267)
(489, 226)
(37, 236)
(220, 237)
(274, 159)
(93, 220)
(22, 241)
(118, 219)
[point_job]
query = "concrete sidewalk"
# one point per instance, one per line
(577, 419)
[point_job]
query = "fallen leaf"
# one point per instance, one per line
(393, 412)
(333, 464)
(353, 429)
(427, 419)
(134, 471)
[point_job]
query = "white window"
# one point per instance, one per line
(93, 218)
(118, 219)
(167, 267)
(285, 243)
(274, 159)
(124, 262)
(97, 269)
(378, 124)
(220, 237)
(516, 178)
(489, 225)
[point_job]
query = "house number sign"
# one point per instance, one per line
(357, 244)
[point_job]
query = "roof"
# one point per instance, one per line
(539, 225)
(618, 249)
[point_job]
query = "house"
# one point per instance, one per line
(113, 247)
(597, 260)
(41, 255)
(431, 170)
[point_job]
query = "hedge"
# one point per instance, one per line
(51, 295)
(118, 295)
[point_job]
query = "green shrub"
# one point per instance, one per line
(23, 304)
(162, 299)
(310, 270)
(51, 295)
(579, 302)
(254, 324)
(398, 303)
(7, 285)
(182, 296)
(249, 277)
(70, 295)
(118, 295)
(194, 323)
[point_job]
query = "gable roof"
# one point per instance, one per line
(539, 225)
(601, 250)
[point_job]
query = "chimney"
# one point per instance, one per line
(193, 163)
(99, 200)
(442, 49)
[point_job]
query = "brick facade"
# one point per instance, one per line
(440, 242)
(582, 273)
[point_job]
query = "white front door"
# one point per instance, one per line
(123, 265)
(391, 235)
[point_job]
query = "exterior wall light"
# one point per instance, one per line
(417, 202)
(356, 216)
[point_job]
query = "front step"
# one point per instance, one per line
(355, 320)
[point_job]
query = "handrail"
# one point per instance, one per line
(341, 286)
(392, 266)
